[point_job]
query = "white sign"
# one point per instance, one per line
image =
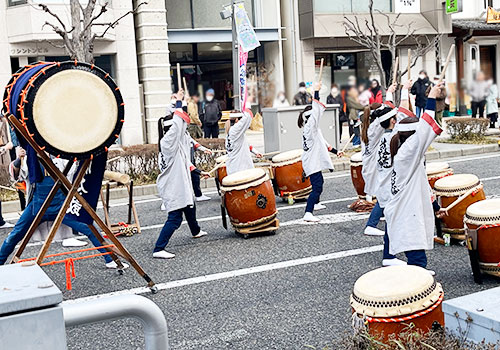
(407, 6)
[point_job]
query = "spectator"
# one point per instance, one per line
(479, 91)
(194, 127)
(440, 99)
(364, 94)
(351, 81)
(302, 97)
(212, 112)
(419, 89)
(376, 92)
(281, 100)
(492, 104)
(335, 98)
(354, 109)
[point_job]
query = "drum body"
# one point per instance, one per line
(289, 175)
(449, 189)
(70, 109)
(249, 198)
(387, 300)
(221, 167)
(357, 175)
(484, 219)
(436, 171)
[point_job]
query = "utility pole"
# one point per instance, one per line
(236, 61)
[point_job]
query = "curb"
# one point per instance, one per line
(151, 190)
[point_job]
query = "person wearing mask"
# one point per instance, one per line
(492, 104)
(355, 108)
(440, 99)
(302, 97)
(419, 89)
(335, 98)
(376, 92)
(212, 112)
(281, 100)
(194, 127)
(364, 94)
(479, 91)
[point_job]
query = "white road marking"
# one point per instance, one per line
(236, 273)
(470, 158)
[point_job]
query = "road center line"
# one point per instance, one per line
(236, 273)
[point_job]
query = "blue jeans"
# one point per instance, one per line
(386, 254)
(419, 111)
(173, 222)
(317, 182)
(375, 216)
(417, 258)
(356, 141)
(24, 223)
(195, 180)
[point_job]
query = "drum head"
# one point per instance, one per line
(245, 177)
(74, 110)
(357, 158)
(294, 155)
(221, 159)
(456, 184)
(436, 168)
(486, 212)
(389, 292)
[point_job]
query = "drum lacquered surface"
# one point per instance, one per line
(357, 175)
(289, 173)
(436, 171)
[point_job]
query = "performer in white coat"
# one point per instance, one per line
(239, 153)
(174, 182)
(409, 211)
(315, 158)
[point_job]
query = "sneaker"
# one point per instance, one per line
(309, 217)
(319, 206)
(432, 272)
(73, 242)
(163, 207)
(113, 265)
(200, 234)
(202, 198)
(373, 231)
(393, 262)
(162, 254)
(7, 225)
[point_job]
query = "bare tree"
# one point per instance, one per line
(368, 34)
(78, 37)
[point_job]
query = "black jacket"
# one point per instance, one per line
(211, 112)
(418, 89)
(301, 99)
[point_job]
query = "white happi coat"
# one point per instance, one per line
(174, 182)
(409, 212)
(239, 157)
(315, 157)
(370, 156)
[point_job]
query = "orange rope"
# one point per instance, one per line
(70, 252)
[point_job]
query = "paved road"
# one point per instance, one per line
(285, 291)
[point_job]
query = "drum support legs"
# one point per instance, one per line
(71, 190)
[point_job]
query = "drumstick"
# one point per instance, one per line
(348, 142)
(179, 80)
(270, 154)
(113, 159)
(8, 188)
(321, 69)
(459, 199)
(409, 78)
(395, 72)
(448, 59)
(185, 85)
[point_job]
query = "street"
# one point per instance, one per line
(286, 291)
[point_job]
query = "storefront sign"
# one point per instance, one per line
(407, 6)
(493, 16)
(453, 6)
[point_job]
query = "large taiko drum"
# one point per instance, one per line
(436, 171)
(389, 298)
(221, 171)
(289, 175)
(482, 221)
(249, 198)
(357, 175)
(448, 189)
(71, 109)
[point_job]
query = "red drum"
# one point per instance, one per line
(356, 174)
(482, 221)
(448, 189)
(387, 300)
(220, 162)
(249, 198)
(289, 175)
(436, 171)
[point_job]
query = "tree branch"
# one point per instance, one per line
(46, 9)
(94, 18)
(113, 24)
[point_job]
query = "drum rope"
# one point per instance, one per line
(406, 318)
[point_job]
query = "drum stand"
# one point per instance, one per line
(70, 189)
(119, 228)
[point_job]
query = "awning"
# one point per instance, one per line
(471, 24)
(216, 35)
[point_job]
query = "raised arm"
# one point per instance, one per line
(239, 128)
(405, 95)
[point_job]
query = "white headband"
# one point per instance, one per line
(388, 115)
(168, 122)
(307, 113)
(407, 127)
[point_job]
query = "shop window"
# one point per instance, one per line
(214, 51)
(347, 6)
(181, 52)
(16, 2)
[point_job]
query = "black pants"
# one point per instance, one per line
(195, 180)
(493, 117)
(478, 106)
(211, 131)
